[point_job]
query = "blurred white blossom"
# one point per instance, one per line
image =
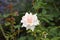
(30, 21)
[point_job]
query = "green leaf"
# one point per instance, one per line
(7, 23)
(22, 38)
(17, 26)
(56, 38)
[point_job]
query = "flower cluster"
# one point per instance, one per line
(30, 21)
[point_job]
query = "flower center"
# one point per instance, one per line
(29, 20)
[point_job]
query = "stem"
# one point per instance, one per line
(12, 31)
(18, 32)
(56, 7)
(7, 38)
(3, 33)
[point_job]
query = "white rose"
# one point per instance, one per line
(30, 21)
